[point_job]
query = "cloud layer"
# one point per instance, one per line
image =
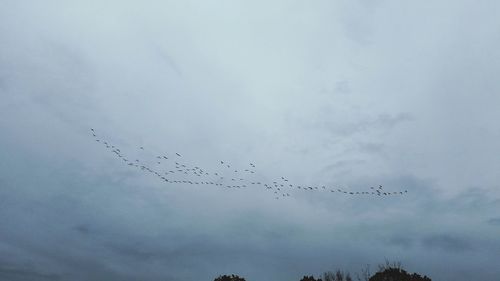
(342, 93)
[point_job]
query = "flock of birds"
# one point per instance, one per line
(172, 169)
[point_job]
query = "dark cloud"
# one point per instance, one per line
(82, 229)
(446, 242)
(494, 221)
(371, 147)
(23, 274)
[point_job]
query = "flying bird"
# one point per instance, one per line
(286, 183)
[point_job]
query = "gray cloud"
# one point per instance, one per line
(82, 229)
(382, 122)
(20, 274)
(348, 94)
(446, 242)
(401, 241)
(494, 221)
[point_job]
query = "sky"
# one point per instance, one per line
(347, 94)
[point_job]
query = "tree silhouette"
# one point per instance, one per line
(337, 276)
(309, 278)
(397, 274)
(231, 277)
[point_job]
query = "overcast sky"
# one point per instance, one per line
(347, 94)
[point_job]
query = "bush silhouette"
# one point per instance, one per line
(231, 277)
(397, 274)
(337, 276)
(309, 278)
(386, 272)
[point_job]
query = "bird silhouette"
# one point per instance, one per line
(184, 173)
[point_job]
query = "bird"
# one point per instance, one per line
(185, 169)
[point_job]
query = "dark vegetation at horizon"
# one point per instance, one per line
(386, 272)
